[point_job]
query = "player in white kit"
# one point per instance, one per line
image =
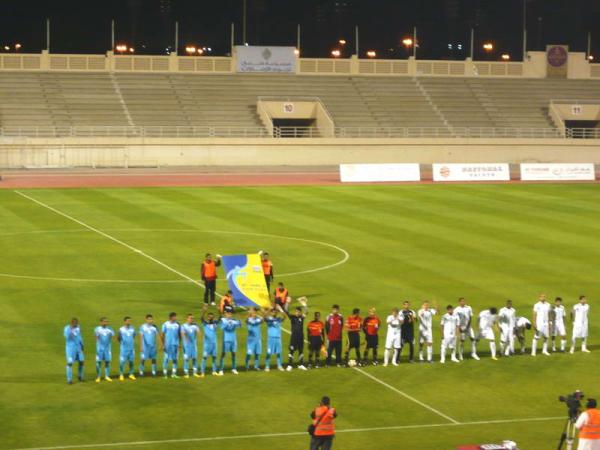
(541, 322)
(487, 322)
(465, 314)
(425, 315)
(521, 324)
(450, 329)
(558, 324)
(507, 318)
(393, 338)
(579, 315)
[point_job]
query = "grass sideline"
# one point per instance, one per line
(485, 242)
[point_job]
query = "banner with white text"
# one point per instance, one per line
(558, 172)
(265, 59)
(357, 173)
(471, 172)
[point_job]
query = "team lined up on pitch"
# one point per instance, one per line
(324, 338)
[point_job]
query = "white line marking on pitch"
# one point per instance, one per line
(294, 433)
(405, 395)
(182, 275)
(88, 280)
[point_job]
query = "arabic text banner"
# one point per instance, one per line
(265, 59)
(246, 280)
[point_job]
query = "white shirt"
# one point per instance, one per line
(522, 322)
(450, 322)
(542, 311)
(426, 319)
(508, 316)
(486, 320)
(580, 312)
(559, 314)
(394, 323)
(464, 314)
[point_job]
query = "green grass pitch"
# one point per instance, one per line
(485, 242)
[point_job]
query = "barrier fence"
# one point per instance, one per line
(293, 132)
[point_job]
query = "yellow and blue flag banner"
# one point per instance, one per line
(246, 280)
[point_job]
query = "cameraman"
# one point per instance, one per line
(588, 424)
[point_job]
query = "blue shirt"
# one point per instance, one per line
(148, 333)
(210, 331)
(73, 338)
(274, 327)
(171, 331)
(189, 332)
(127, 337)
(103, 337)
(254, 325)
(229, 327)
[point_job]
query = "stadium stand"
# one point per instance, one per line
(65, 99)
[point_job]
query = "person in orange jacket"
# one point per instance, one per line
(282, 297)
(226, 302)
(267, 267)
(208, 273)
(324, 425)
(588, 424)
(353, 327)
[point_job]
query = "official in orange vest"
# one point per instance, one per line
(282, 296)
(208, 273)
(353, 327)
(588, 424)
(267, 267)
(324, 425)
(226, 302)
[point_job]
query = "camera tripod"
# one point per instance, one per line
(568, 435)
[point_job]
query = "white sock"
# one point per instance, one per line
(453, 355)
(421, 352)
(474, 347)
(545, 346)
(584, 344)
(395, 355)
(429, 352)
(443, 353)
(461, 348)
(493, 349)
(386, 356)
(563, 345)
(534, 346)
(501, 347)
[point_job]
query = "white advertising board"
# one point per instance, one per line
(265, 59)
(471, 172)
(356, 173)
(557, 172)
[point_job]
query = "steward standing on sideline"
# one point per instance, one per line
(208, 273)
(334, 325)
(323, 426)
(267, 267)
(316, 339)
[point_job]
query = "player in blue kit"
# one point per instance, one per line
(104, 335)
(126, 338)
(254, 342)
(209, 346)
(148, 333)
(189, 335)
(274, 321)
(229, 325)
(73, 349)
(169, 338)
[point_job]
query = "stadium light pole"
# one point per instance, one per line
(176, 37)
(48, 35)
(298, 38)
(472, 42)
(356, 46)
(524, 30)
(244, 13)
(112, 34)
(232, 36)
(415, 42)
(589, 45)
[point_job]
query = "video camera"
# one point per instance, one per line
(573, 402)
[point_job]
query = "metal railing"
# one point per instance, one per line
(294, 132)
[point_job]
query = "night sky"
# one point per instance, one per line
(83, 26)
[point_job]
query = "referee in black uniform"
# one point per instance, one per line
(297, 338)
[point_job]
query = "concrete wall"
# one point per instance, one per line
(82, 152)
(533, 67)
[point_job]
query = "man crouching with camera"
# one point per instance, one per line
(588, 424)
